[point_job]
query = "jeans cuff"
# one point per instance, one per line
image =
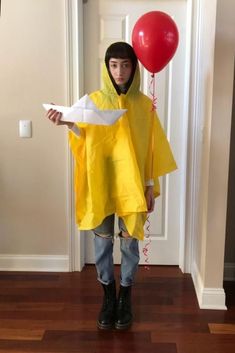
(105, 283)
(125, 284)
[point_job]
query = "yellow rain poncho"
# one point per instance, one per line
(113, 163)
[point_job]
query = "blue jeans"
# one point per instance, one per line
(104, 238)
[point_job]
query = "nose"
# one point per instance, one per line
(119, 71)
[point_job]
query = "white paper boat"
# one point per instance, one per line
(85, 111)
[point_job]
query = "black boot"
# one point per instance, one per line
(123, 313)
(107, 314)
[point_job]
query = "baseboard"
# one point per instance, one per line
(44, 263)
(208, 298)
(229, 271)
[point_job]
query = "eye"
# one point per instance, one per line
(113, 66)
(126, 65)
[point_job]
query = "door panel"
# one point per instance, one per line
(108, 21)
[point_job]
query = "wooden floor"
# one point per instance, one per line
(56, 312)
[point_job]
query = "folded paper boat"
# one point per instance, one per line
(85, 111)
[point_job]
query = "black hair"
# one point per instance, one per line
(121, 50)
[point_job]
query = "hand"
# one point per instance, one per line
(149, 196)
(55, 117)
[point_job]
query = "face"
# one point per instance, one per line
(120, 70)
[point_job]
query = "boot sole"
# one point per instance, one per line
(123, 327)
(104, 327)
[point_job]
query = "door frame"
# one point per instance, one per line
(74, 65)
(196, 78)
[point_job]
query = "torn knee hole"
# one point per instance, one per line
(101, 235)
(124, 234)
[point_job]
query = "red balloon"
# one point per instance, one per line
(155, 39)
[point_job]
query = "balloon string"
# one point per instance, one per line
(153, 92)
(146, 247)
(147, 235)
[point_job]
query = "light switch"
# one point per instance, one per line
(25, 128)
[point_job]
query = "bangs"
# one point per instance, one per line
(119, 53)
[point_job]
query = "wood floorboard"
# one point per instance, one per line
(57, 312)
(222, 328)
(21, 334)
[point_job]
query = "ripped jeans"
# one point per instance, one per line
(103, 241)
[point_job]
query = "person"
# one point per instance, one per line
(117, 170)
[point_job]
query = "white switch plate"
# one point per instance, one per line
(25, 128)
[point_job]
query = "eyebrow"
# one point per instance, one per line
(124, 60)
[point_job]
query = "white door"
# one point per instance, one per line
(108, 21)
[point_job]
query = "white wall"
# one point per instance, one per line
(222, 114)
(33, 172)
(220, 137)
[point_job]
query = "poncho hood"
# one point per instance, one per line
(108, 87)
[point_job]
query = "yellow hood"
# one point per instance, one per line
(108, 87)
